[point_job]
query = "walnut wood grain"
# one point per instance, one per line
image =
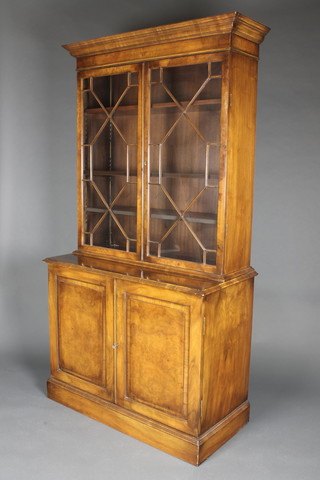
(192, 29)
(191, 449)
(150, 337)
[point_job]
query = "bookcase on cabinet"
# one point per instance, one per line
(150, 318)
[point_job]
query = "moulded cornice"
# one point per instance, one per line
(229, 23)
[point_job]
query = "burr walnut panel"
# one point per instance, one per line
(81, 324)
(156, 362)
(157, 334)
(80, 355)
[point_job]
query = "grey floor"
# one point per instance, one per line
(40, 439)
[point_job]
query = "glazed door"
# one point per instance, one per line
(158, 354)
(110, 160)
(186, 106)
(81, 330)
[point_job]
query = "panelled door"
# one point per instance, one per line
(81, 330)
(158, 345)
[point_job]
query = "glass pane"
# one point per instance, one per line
(201, 217)
(109, 157)
(210, 257)
(92, 197)
(184, 156)
(184, 82)
(162, 121)
(124, 213)
(181, 244)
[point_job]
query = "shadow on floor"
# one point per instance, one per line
(38, 367)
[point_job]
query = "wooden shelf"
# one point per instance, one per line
(122, 173)
(196, 103)
(129, 211)
(97, 111)
(183, 175)
(112, 173)
(192, 217)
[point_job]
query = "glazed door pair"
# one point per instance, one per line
(144, 356)
(151, 155)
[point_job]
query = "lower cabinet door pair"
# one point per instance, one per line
(128, 342)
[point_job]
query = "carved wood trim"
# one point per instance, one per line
(217, 25)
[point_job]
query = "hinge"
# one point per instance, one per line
(204, 326)
(230, 100)
(201, 402)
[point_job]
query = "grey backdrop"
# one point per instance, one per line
(42, 440)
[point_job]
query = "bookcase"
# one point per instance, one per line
(150, 318)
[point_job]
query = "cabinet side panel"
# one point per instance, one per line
(240, 158)
(226, 358)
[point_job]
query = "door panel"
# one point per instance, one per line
(185, 100)
(153, 353)
(81, 351)
(158, 358)
(110, 151)
(81, 319)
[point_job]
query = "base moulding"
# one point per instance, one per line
(189, 448)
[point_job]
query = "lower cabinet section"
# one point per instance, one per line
(164, 363)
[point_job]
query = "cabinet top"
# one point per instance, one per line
(204, 27)
(148, 275)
